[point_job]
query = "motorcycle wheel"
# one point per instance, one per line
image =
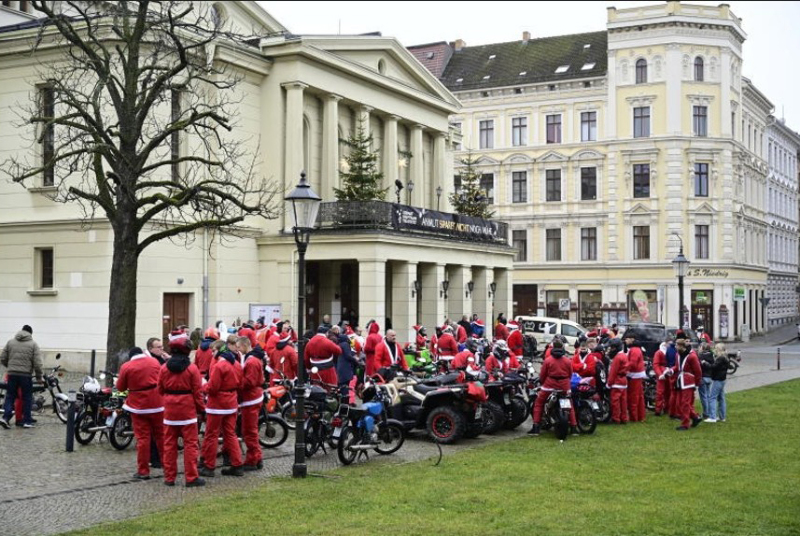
(562, 425)
(605, 410)
(83, 421)
(121, 435)
(495, 417)
(650, 396)
(313, 438)
(272, 432)
(289, 414)
(348, 439)
(60, 408)
(446, 425)
(474, 429)
(733, 366)
(517, 414)
(587, 422)
(390, 438)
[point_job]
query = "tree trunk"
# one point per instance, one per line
(122, 296)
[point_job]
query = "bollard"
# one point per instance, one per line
(779, 358)
(71, 421)
(91, 366)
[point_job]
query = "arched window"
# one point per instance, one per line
(698, 69)
(641, 71)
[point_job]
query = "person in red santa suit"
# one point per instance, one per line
(500, 330)
(555, 375)
(282, 331)
(251, 396)
(389, 352)
(203, 355)
(283, 360)
(636, 377)
(447, 345)
(584, 362)
(139, 377)
(180, 383)
(321, 352)
(494, 361)
(618, 382)
(374, 339)
(688, 372)
(222, 388)
(422, 337)
(465, 357)
(461, 333)
(515, 341)
(663, 370)
(247, 331)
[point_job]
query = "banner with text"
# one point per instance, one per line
(444, 223)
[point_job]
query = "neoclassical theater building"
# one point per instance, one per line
(401, 262)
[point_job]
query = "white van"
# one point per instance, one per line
(544, 328)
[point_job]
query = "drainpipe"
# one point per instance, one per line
(205, 278)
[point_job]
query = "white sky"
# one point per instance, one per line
(770, 51)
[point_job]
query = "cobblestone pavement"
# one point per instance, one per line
(45, 490)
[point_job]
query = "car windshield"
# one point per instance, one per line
(690, 333)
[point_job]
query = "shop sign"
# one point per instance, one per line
(454, 225)
(738, 294)
(706, 272)
(700, 297)
(564, 304)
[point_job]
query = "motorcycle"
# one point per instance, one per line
(273, 430)
(555, 413)
(322, 405)
(58, 400)
(283, 398)
(587, 408)
(650, 386)
(368, 427)
(734, 359)
(101, 411)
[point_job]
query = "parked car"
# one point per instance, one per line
(690, 334)
(649, 335)
(545, 327)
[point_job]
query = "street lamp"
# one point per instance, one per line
(680, 264)
(305, 205)
(410, 188)
(438, 196)
(397, 187)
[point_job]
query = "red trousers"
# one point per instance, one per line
(539, 404)
(146, 427)
(663, 395)
(230, 443)
(686, 406)
(619, 405)
(636, 408)
(190, 452)
(250, 433)
(674, 400)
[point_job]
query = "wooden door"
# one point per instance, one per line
(175, 312)
(526, 300)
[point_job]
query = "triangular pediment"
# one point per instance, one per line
(487, 161)
(639, 208)
(704, 208)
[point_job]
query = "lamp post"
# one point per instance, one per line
(305, 205)
(410, 188)
(398, 186)
(680, 264)
(438, 196)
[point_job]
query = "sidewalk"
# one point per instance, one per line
(777, 337)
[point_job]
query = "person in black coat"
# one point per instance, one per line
(347, 362)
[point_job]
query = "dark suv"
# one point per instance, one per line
(649, 335)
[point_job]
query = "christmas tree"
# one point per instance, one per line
(470, 199)
(360, 178)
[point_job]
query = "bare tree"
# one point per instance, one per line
(134, 121)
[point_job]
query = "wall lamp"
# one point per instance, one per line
(492, 289)
(470, 288)
(445, 286)
(416, 288)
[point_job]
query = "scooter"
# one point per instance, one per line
(58, 400)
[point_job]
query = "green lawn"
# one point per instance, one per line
(739, 477)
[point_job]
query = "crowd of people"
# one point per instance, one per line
(221, 375)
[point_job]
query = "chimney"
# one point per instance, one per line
(526, 36)
(460, 43)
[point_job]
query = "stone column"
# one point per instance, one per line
(330, 146)
(439, 169)
(372, 291)
(433, 305)
(725, 95)
(417, 173)
(293, 151)
(390, 159)
(503, 299)
(481, 304)
(404, 305)
(460, 302)
(363, 113)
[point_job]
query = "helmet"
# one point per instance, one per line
(90, 385)
(615, 345)
(472, 345)
(211, 333)
(500, 349)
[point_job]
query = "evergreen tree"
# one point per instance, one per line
(361, 181)
(471, 200)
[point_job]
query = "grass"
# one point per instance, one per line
(739, 477)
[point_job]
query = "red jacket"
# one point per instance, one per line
(183, 395)
(223, 387)
(202, 358)
(461, 360)
(556, 373)
(373, 340)
(660, 363)
(636, 369)
(422, 342)
(501, 331)
(461, 334)
(320, 352)
(510, 364)
(252, 392)
(250, 334)
(688, 370)
(289, 365)
(385, 358)
(139, 377)
(493, 366)
(515, 342)
(585, 366)
(618, 375)
(447, 345)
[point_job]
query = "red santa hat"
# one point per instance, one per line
(478, 322)
(178, 340)
(512, 325)
(591, 334)
(275, 321)
(348, 330)
(604, 331)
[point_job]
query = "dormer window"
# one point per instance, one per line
(588, 66)
(493, 56)
(562, 69)
(487, 77)
(587, 46)
(459, 80)
(430, 55)
(523, 73)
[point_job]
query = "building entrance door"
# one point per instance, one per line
(703, 310)
(175, 312)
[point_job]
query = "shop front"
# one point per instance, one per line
(590, 312)
(703, 310)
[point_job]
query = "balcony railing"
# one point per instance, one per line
(342, 216)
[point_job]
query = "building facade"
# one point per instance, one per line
(783, 146)
(606, 152)
(299, 96)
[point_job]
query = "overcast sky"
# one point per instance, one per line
(770, 52)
